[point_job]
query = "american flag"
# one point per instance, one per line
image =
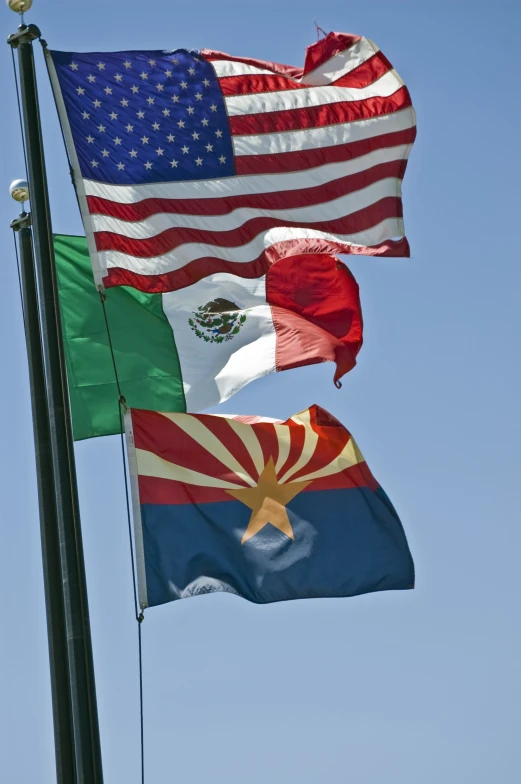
(191, 163)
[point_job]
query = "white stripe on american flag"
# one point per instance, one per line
(298, 99)
(336, 182)
(329, 136)
(239, 186)
(316, 213)
(343, 63)
(228, 68)
(336, 67)
(244, 254)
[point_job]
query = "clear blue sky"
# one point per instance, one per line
(419, 686)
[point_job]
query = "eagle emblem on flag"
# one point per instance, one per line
(217, 321)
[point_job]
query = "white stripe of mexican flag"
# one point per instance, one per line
(225, 336)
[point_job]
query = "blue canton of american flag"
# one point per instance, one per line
(187, 164)
(141, 117)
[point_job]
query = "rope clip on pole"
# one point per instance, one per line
(23, 221)
(25, 34)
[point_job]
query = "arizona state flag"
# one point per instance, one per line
(264, 509)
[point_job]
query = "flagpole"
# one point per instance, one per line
(87, 751)
(56, 633)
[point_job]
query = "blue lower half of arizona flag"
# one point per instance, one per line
(267, 510)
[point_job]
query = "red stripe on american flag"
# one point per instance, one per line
(169, 240)
(288, 70)
(275, 201)
(310, 159)
(256, 83)
(209, 265)
(319, 116)
(366, 73)
(328, 47)
(246, 84)
(316, 55)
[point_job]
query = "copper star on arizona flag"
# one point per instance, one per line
(268, 500)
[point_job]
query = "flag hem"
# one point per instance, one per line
(136, 512)
(78, 183)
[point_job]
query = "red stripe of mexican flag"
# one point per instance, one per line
(190, 349)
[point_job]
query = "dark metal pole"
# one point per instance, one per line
(81, 669)
(56, 634)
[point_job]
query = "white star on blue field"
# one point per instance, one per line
(139, 117)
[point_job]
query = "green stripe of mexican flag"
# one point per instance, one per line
(144, 347)
(190, 349)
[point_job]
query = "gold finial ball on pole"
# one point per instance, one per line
(19, 6)
(19, 190)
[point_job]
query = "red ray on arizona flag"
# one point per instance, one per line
(265, 509)
(188, 164)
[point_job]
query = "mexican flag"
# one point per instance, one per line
(190, 349)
